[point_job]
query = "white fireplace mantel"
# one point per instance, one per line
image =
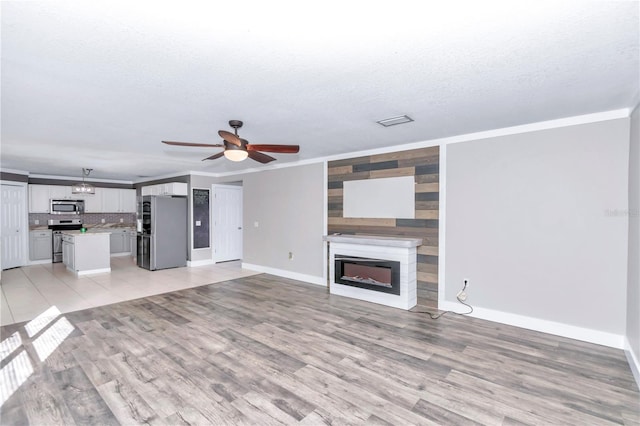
(402, 250)
(373, 240)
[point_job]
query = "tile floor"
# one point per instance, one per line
(31, 290)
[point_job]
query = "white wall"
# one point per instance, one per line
(288, 205)
(633, 289)
(529, 222)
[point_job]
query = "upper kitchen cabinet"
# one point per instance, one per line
(39, 199)
(172, 188)
(92, 202)
(116, 200)
(105, 200)
(110, 200)
(61, 192)
(128, 202)
(40, 196)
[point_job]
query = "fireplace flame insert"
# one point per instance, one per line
(371, 274)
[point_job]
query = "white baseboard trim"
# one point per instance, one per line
(192, 263)
(121, 254)
(633, 360)
(559, 329)
(312, 279)
(91, 271)
(39, 262)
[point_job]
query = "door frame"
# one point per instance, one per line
(25, 223)
(214, 205)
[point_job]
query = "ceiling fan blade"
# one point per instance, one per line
(230, 137)
(214, 156)
(283, 149)
(260, 157)
(192, 144)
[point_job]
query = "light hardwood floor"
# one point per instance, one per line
(266, 350)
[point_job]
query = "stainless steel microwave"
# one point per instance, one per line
(67, 207)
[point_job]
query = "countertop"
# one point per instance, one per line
(83, 234)
(92, 228)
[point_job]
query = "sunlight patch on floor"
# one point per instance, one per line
(18, 370)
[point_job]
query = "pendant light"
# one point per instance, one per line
(83, 188)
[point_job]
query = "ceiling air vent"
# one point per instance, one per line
(401, 119)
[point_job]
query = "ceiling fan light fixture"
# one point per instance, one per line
(236, 154)
(83, 187)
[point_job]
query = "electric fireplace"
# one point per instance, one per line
(377, 269)
(372, 274)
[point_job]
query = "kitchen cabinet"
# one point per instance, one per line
(92, 202)
(133, 236)
(68, 252)
(172, 188)
(39, 199)
(120, 241)
(61, 192)
(126, 243)
(115, 200)
(40, 247)
(110, 200)
(40, 196)
(86, 253)
(105, 200)
(128, 202)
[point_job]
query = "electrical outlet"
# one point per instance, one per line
(462, 295)
(121, 220)
(37, 222)
(101, 220)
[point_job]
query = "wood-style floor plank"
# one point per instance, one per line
(269, 350)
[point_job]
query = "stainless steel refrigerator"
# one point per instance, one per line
(162, 238)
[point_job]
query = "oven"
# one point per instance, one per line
(57, 228)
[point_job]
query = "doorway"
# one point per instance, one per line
(13, 225)
(227, 222)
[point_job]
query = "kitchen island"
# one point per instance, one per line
(86, 253)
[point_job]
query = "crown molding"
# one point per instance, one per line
(79, 179)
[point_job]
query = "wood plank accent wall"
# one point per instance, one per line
(424, 165)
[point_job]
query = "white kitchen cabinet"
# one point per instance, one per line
(116, 242)
(128, 202)
(61, 192)
(116, 200)
(133, 241)
(110, 200)
(39, 200)
(120, 241)
(40, 196)
(86, 253)
(105, 200)
(171, 188)
(68, 252)
(92, 202)
(40, 247)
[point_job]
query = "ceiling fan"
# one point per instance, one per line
(238, 149)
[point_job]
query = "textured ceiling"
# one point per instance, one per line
(100, 84)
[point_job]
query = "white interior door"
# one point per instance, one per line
(13, 226)
(227, 223)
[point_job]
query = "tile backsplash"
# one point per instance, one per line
(87, 218)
